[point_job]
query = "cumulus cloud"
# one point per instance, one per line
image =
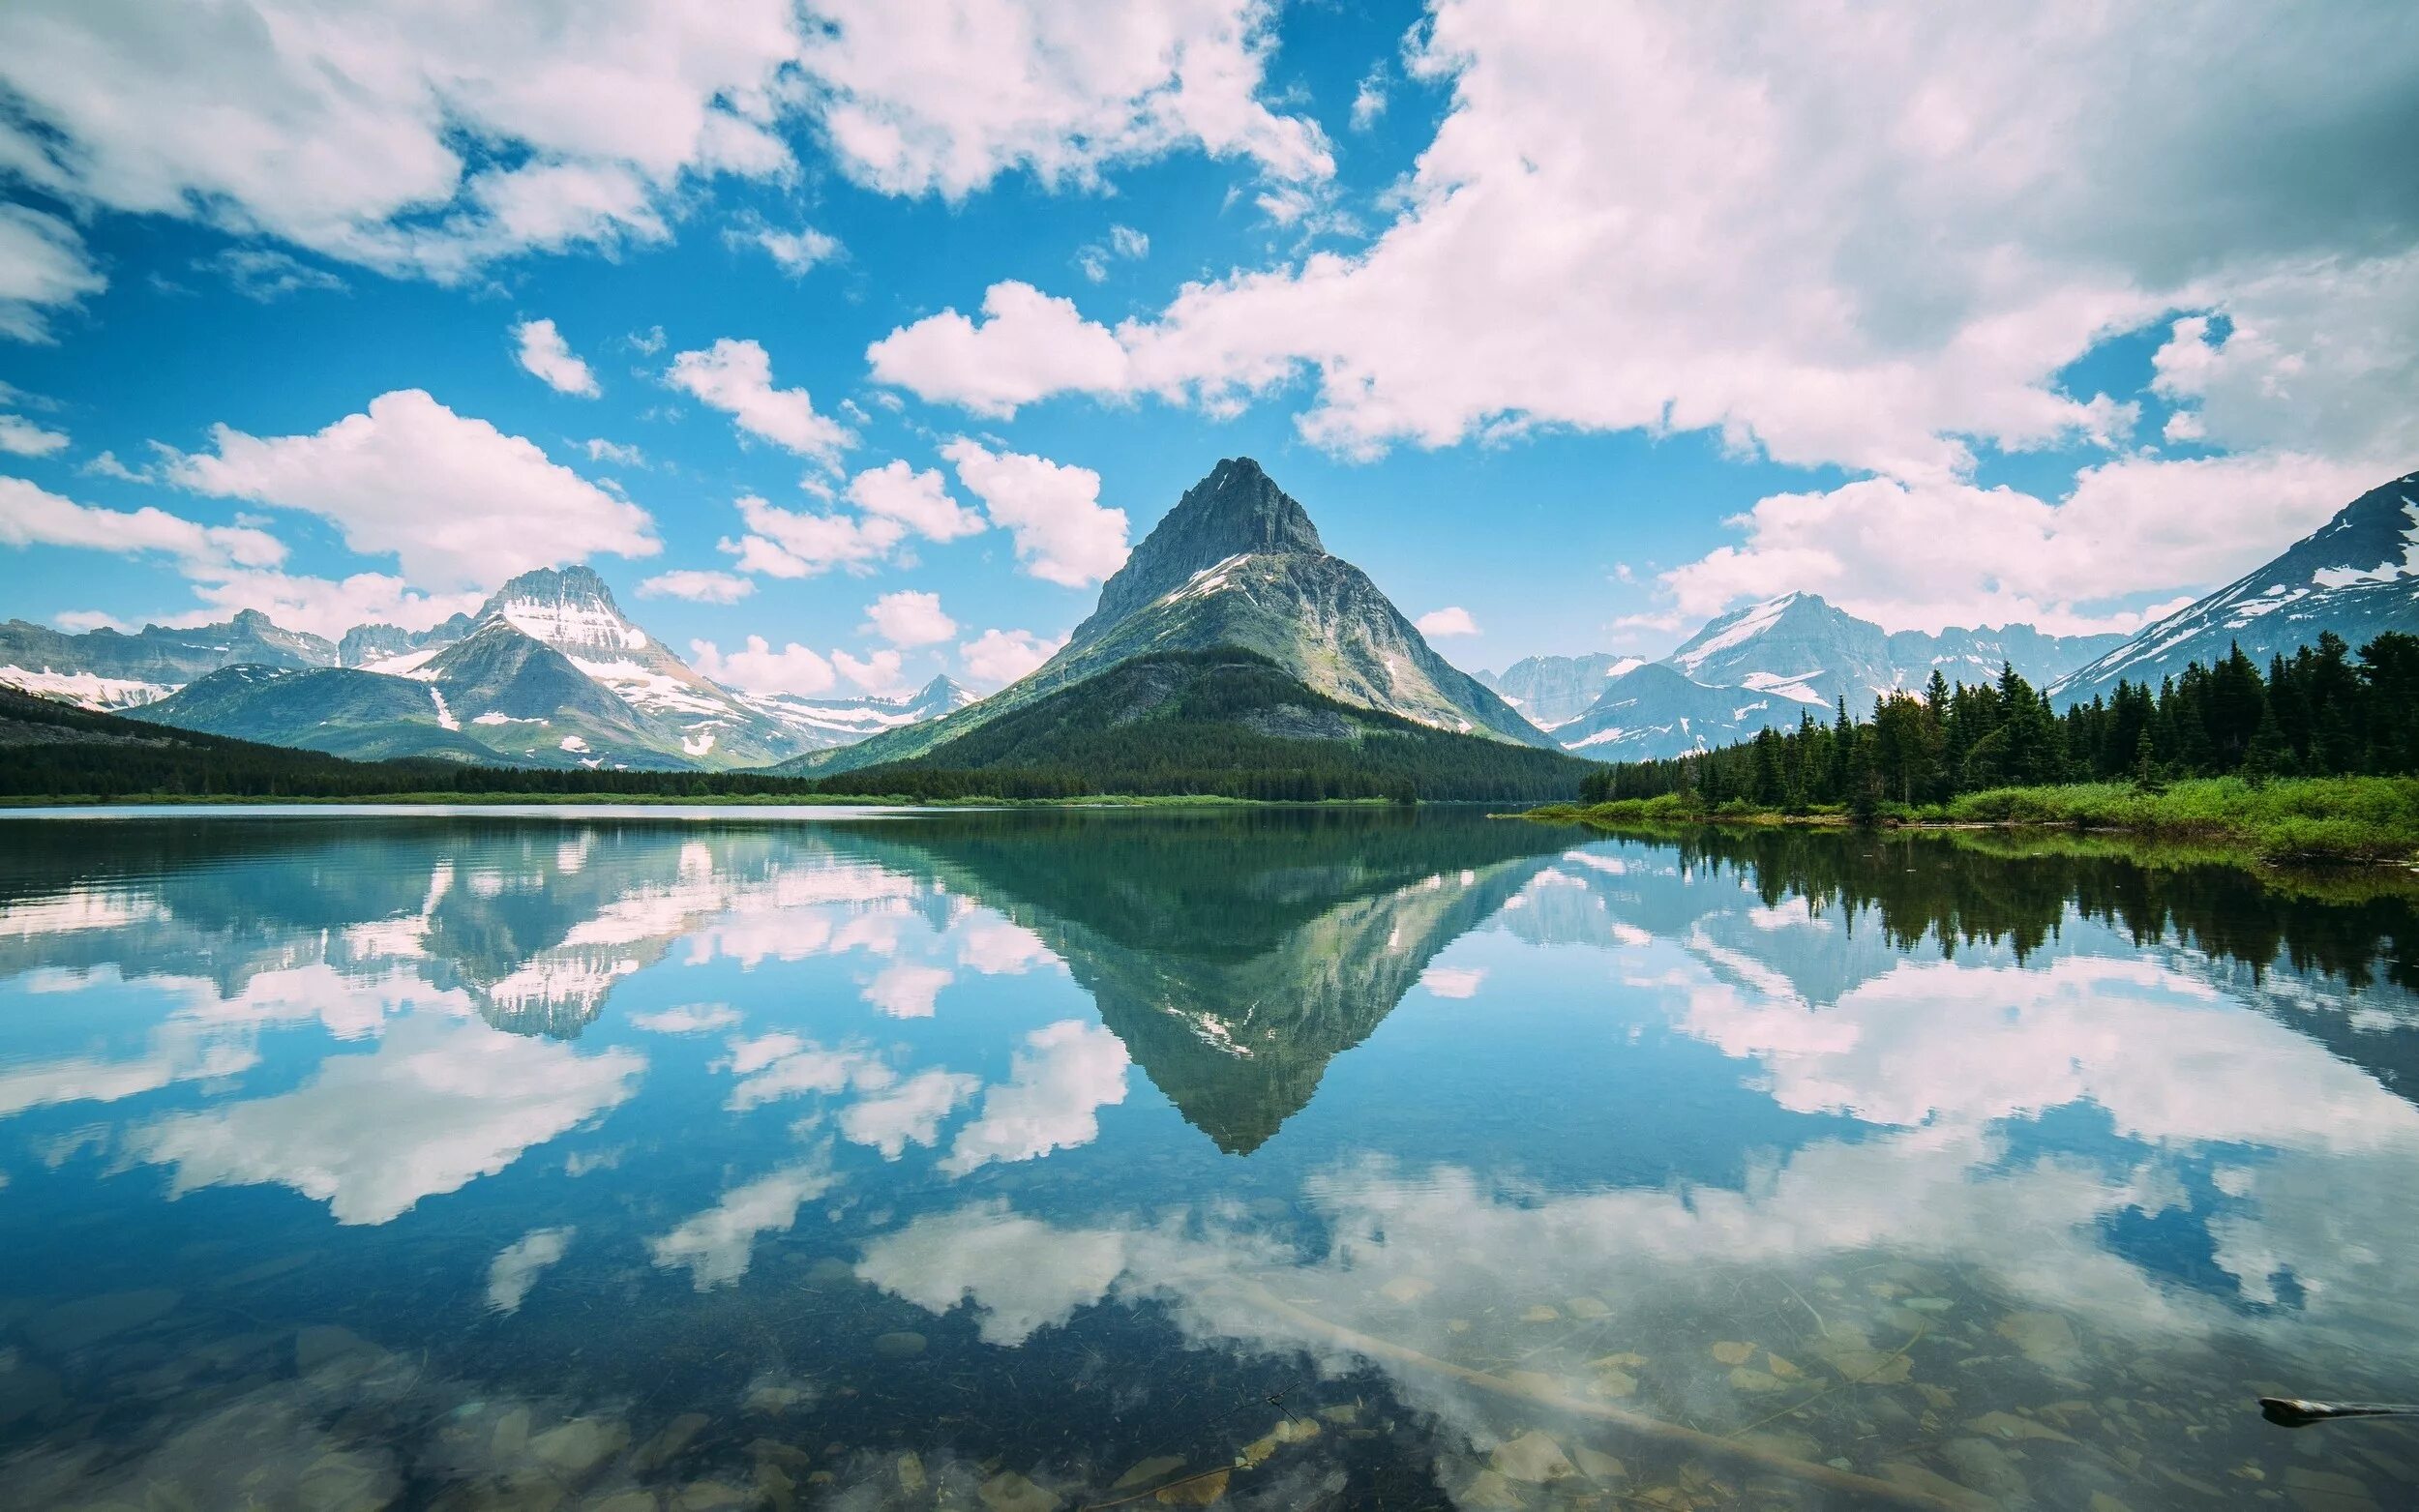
(908, 618)
(22, 437)
(942, 98)
(698, 587)
(759, 669)
(543, 352)
(1924, 555)
(1124, 241)
(877, 672)
(904, 989)
(785, 542)
(997, 658)
(329, 606)
(43, 268)
(438, 1105)
(1052, 508)
(716, 1246)
(601, 450)
(1056, 1086)
(398, 139)
(458, 502)
(1028, 346)
(917, 500)
(687, 1018)
(794, 253)
(1872, 251)
(736, 377)
(1452, 621)
(908, 1114)
(1369, 99)
(30, 515)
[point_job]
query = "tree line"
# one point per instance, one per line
(2319, 712)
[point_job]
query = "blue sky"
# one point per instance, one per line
(1586, 322)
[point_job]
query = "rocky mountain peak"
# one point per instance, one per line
(1237, 511)
(568, 607)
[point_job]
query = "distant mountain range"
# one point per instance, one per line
(2357, 574)
(549, 672)
(1236, 566)
(1763, 666)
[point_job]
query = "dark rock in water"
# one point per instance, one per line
(900, 1346)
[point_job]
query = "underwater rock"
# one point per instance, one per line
(576, 1448)
(1986, 1466)
(1733, 1352)
(1198, 1491)
(1597, 1466)
(2325, 1491)
(1743, 1379)
(1533, 1458)
(2045, 1338)
(1009, 1492)
(1157, 1467)
(903, 1345)
(670, 1443)
(1587, 1309)
(1489, 1492)
(1541, 1314)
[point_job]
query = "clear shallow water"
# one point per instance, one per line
(1023, 1160)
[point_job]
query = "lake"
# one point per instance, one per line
(1016, 1161)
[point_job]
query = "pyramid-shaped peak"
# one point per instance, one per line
(564, 607)
(574, 585)
(1240, 501)
(1237, 511)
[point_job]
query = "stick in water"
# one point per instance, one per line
(2298, 1412)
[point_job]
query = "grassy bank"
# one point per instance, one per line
(2313, 819)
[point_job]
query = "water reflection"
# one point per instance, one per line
(488, 1162)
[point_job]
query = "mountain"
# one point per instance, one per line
(1552, 690)
(1767, 664)
(550, 672)
(2357, 574)
(113, 669)
(1221, 722)
(818, 724)
(1237, 565)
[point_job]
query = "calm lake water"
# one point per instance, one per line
(1279, 1159)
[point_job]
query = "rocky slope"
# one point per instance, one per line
(2357, 574)
(1238, 564)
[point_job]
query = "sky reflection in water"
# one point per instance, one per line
(476, 1160)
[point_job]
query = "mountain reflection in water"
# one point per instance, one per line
(478, 1159)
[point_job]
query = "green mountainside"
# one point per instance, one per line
(1224, 722)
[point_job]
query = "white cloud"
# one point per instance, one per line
(543, 352)
(698, 587)
(513, 1272)
(43, 268)
(1452, 621)
(794, 253)
(717, 1245)
(1369, 99)
(438, 1105)
(908, 618)
(1123, 242)
(997, 947)
(917, 500)
(877, 672)
(736, 377)
(943, 98)
(396, 137)
(459, 503)
(1056, 1086)
(1923, 555)
(601, 450)
(30, 515)
(1870, 246)
(1052, 508)
(783, 542)
(1453, 981)
(24, 438)
(687, 1018)
(106, 465)
(1022, 1275)
(908, 1114)
(1029, 346)
(326, 606)
(265, 275)
(997, 658)
(903, 990)
(759, 669)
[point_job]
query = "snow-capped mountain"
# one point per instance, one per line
(1769, 663)
(550, 672)
(112, 670)
(2357, 574)
(1237, 565)
(1553, 690)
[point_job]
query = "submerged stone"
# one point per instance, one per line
(1009, 1492)
(79, 1324)
(1157, 1467)
(903, 1345)
(1533, 1458)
